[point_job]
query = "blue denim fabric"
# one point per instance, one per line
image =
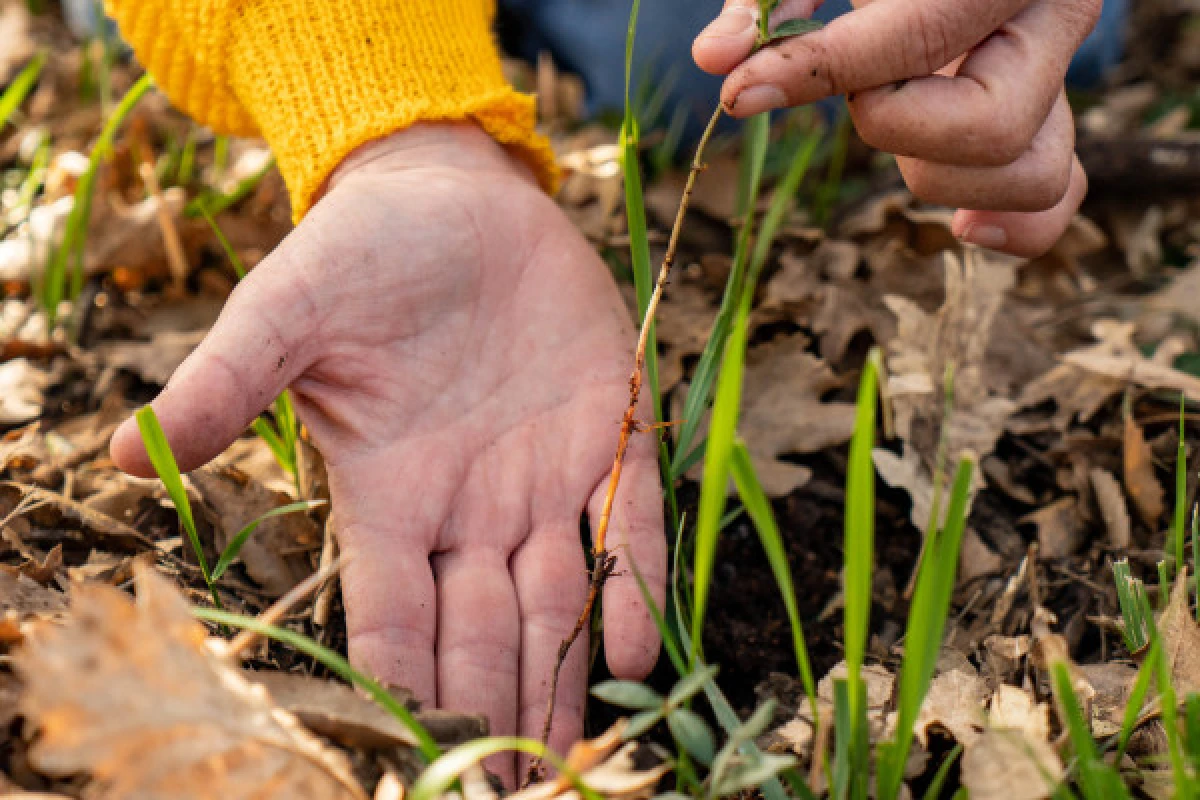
(588, 37)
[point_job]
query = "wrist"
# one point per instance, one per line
(457, 145)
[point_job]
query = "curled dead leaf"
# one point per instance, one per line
(131, 695)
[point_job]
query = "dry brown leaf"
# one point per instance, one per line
(275, 555)
(956, 337)
(1077, 393)
(1111, 501)
(130, 694)
(153, 361)
(684, 321)
(21, 388)
(1117, 356)
(15, 43)
(607, 766)
(1143, 487)
(955, 704)
(1179, 297)
(51, 510)
(25, 598)
(783, 412)
(41, 570)
(1181, 638)
(1013, 758)
(1060, 527)
(334, 710)
(1112, 682)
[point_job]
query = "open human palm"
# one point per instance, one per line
(461, 358)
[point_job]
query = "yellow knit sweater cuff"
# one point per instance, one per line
(318, 78)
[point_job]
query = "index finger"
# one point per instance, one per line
(880, 43)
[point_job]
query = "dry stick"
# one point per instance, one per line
(246, 638)
(603, 561)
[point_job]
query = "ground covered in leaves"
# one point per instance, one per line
(1068, 373)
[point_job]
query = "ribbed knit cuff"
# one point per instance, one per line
(321, 77)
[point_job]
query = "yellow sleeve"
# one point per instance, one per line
(318, 78)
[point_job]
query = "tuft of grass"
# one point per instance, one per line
(926, 626)
(1137, 616)
(759, 509)
(71, 249)
(20, 87)
(427, 747)
(163, 460)
(718, 453)
(167, 469)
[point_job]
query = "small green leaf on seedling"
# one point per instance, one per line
(627, 694)
(693, 733)
(238, 542)
(690, 684)
(643, 721)
(795, 27)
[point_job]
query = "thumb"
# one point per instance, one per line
(253, 352)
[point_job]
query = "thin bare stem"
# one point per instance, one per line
(247, 638)
(603, 561)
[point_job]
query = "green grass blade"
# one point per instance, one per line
(1098, 780)
(427, 747)
(754, 156)
(75, 232)
(660, 621)
(267, 433)
(934, 791)
(860, 528)
(234, 260)
(216, 202)
(715, 482)
(759, 509)
(20, 87)
(1196, 554)
(781, 204)
(926, 626)
(828, 192)
(1178, 533)
(443, 773)
(238, 542)
(163, 460)
(1137, 698)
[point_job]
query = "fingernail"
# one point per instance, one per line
(758, 99)
(989, 236)
(733, 22)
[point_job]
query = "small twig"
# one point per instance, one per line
(247, 638)
(176, 259)
(324, 599)
(604, 562)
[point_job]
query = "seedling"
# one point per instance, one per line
(20, 87)
(70, 250)
(1136, 613)
(167, 469)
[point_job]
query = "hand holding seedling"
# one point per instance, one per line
(967, 93)
(460, 356)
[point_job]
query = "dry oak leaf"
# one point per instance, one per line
(684, 320)
(1117, 356)
(1013, 758)
(21, 388)
(1143, 487)
(274, 556)
(783, 412)
(954, 703)
(132, 695)
(1060, 527)
(1181, 639)
(956, 337)
(153, 361)
(606, 765)
(1111, 501)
